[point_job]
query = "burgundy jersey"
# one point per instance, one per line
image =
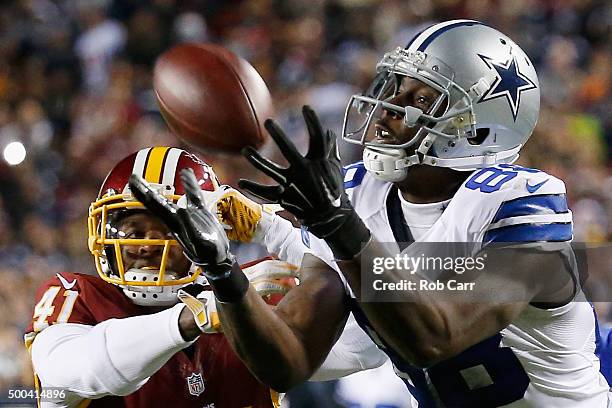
(207, 374)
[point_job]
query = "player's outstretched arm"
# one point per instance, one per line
(430, 324)
(281, 346)
(92, 361)
(423, 327)
(284, 346)
(311, 188)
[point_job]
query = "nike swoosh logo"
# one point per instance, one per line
(535, 187)
(65, 283)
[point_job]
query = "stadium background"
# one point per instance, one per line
(75, 90)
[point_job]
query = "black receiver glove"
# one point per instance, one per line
(198, 231)
(311, 187)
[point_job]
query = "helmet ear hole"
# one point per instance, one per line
(481, 135)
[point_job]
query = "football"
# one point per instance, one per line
(275, 299)
(211, 98)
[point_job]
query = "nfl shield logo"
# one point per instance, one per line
(196, 384)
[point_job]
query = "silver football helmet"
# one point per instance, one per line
(489, 98)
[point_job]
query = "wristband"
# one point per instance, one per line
(228, 282)
(347, 240)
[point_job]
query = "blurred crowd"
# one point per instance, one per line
(75, 90)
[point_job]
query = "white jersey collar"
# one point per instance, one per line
(421, 215)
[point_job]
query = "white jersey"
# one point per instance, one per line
(375, 388)
(545, 358)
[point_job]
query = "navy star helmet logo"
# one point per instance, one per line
(509, 83)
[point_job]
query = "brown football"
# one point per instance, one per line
(211, 98)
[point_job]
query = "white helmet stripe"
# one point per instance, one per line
(434, 31)
(140, 161)
(172, 158)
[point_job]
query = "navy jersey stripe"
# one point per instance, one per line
(603, 347)
(419, 388)
(532, 205)
(555, 232)
(360, 172)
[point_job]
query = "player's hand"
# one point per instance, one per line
(201, 303)
(312, 186)
(238, 214)
(197, 230)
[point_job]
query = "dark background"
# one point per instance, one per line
(75, 90)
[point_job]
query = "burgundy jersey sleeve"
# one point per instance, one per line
(209, 375)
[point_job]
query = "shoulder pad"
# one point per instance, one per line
(531, 205)
(522, 180)
(509, 203)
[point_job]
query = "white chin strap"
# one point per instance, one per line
(391, 165)
(388, 164)
(150, 295)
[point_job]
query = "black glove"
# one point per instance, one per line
(198, 231)
(312, 187)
